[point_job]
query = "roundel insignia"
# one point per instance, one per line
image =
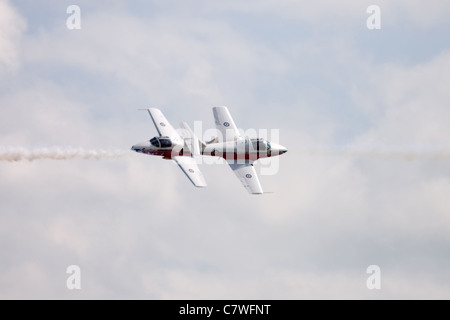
(226, 124)
(191, 171)
(248, 176)
(162, 124)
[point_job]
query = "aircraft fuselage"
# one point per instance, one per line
(232, 150)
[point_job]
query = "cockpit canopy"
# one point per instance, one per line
(260, 144)
(161, 142)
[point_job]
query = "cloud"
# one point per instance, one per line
(326, 13)
(158, 57)
(12, 25)
(416, 13)
(136, 226)
(411, 104)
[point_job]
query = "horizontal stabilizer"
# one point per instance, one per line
(191, 141)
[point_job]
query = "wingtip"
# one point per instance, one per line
(262, 192)
(202, 184)
(148, 109)
(220, 107)
(153, 109)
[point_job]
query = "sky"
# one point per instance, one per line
(364, 114)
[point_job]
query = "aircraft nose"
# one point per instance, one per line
(283, 150)
(140, 147)
(136, 148)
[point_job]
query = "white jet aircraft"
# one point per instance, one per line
(239, 152)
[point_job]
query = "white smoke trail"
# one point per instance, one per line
(13, 154)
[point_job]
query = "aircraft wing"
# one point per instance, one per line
(163, 126)
(225, 124)
(247, 175)
(191, 170)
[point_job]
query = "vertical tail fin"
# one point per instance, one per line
(193, 143)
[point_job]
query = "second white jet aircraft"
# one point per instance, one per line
(239, 152)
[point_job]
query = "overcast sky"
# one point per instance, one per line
(364, 115)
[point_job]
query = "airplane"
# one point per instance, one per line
(239, 152)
